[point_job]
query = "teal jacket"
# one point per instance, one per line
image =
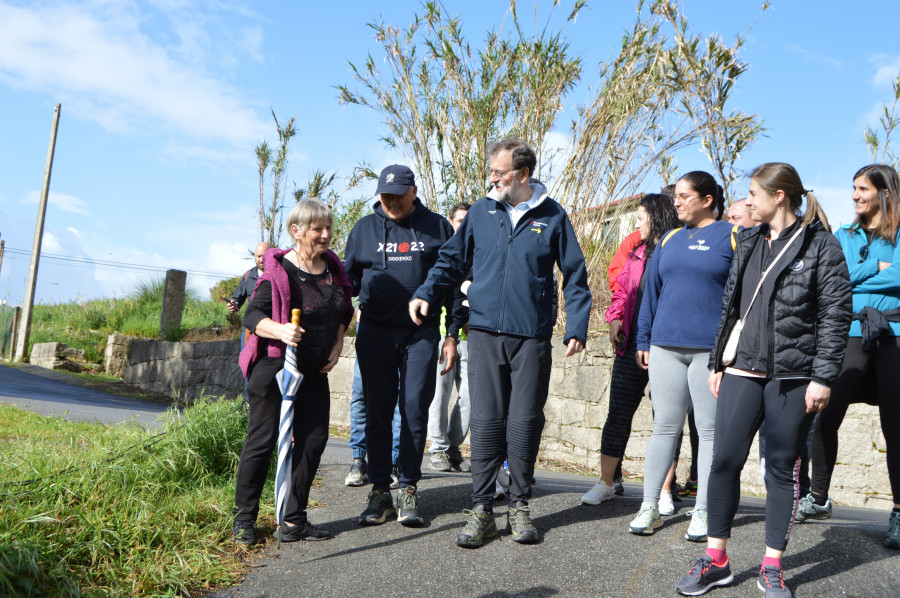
(872, 287)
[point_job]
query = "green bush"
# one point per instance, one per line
(224, 288)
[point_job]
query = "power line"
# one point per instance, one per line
(77, 261)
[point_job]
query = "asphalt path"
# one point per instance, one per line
(51, 393)
(585, 551)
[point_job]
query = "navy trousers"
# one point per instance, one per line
(397, 366)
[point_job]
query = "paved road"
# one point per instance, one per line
(52, 393)
(585, 551)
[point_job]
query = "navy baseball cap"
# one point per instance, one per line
(395, 180)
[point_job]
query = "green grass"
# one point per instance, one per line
(87, 325)
(121, 518)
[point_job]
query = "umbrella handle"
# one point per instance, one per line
(295, 317)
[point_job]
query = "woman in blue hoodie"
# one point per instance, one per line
(676, 329)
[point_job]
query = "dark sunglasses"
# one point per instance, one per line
(863, 253)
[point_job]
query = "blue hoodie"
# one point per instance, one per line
(386, 261)
(513, 287)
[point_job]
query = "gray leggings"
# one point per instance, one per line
(678, 378)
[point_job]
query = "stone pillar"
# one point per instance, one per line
(173, 301)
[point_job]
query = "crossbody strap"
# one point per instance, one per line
(769, 269)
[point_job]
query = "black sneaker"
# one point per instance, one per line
(304, 531)
(395, 477)
(892, 539)
(242, 532)
(408, 508)
(703, 577)
(518, 523)
(771, 582)
(480, 524)
(618, 487)
(380, 509)
(359, 474)
(457, 461)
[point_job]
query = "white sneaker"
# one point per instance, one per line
(666, 506)
(647, 520)
(598, 494)
(697, 529)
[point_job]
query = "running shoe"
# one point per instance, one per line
(697, 529)
(647, 520)
(771, 582)
(440, 461)
(358, 473)
(599, 493)
(408, 508)
(242, 532)
(666, 506)
(704, 576)
(305, 531)
(380, 508)
(479, 526)
(808, 509)
(619, 486)
(518, 523)
(690, 488)
(892, 539)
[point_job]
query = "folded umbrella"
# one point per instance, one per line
(289, 379)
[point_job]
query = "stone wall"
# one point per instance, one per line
(57, 356)
(575, 412)
(185, 369)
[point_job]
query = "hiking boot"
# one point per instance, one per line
(242, 532)
(440, 461)
(647, 520)
(408, 508)
(703, 577)
(395, 477)
(666, 505)
(380, 509)
(359, 473)
(599, 493)
(696, 531)
(808, 509)
(690, 488)
(302, 531)
(479, 526)
(619, 487)
(892, 539)
(457, 461)
(518, 523)
(771, 582)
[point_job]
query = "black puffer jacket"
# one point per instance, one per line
(809, 312)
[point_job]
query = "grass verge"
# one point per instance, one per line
(114, 510)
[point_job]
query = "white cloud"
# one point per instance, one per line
(61, 201)
(75, 232)
(50, 243)
(815, 57)
(888, 67)
(96, 59)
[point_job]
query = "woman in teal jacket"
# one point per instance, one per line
(870, 371)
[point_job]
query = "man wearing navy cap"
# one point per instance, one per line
(388, 255)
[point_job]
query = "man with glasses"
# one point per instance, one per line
(512, 240)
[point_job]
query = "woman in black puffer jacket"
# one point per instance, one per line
(790, 287)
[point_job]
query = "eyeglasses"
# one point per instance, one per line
(682, 198)
(863, 253)
(499, 173)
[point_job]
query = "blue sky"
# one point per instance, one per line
(164, 100)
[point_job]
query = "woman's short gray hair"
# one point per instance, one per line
(306, 213)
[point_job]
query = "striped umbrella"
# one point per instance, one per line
(289, 379)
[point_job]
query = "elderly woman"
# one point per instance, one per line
(311, 278)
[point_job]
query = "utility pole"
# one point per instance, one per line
(52, 284)
(31, 281)
(2, 247)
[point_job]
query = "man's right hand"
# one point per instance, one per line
(232, 306)
(416, 307)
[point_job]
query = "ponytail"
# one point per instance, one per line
(814, 211)
(719, 203)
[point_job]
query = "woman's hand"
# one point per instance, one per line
(715, 379)
(290, 334)
(615, 333)
(883, 266)
(643, 359)
(336, 350)
(817, 397)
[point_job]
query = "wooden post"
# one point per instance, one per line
(30, 283)
(2, 247)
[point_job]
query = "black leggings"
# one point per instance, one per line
(626, 390)
(742, 406)
(875, 374)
